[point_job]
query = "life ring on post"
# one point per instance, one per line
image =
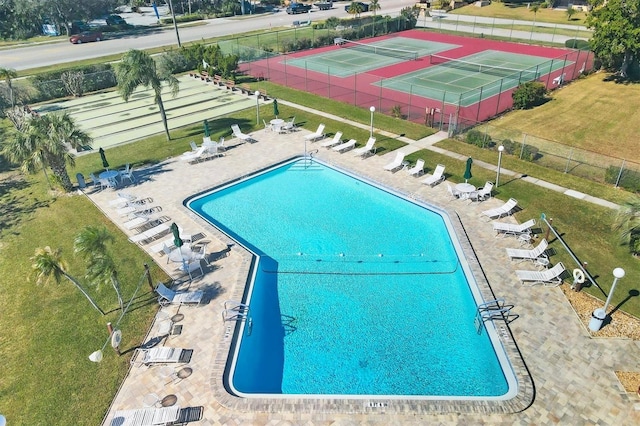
(578, 276)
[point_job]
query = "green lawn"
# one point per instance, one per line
(519, 11)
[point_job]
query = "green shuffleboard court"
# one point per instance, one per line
(465, 81)
(353, 58)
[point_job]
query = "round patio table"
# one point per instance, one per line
(184, 254)
(109, 174)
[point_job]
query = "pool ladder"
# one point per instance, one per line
(491, 310)
(235, 311)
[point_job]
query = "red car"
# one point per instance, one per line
(85, 37)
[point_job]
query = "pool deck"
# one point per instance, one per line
(573, 380)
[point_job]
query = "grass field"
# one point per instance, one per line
(520, 11)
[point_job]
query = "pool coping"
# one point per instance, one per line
(367, 405)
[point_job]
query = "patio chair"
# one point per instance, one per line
(436, 177)
(418, 169)
(533, 254)
(337, 138)
(397, 163)
(504, 229)
(482, 193)
(343, 147)
(289, 126)
(267, 126)
(367, 149)
(238, 133)
(505, 210)
(548, 277)
(318, 134)
(159, 247)
(127, 174)
(453, 193)
(94, 179)
(161, 355)
(194, 146)
(147, 416)
(166, 296)
(201, 254)
(189, 267)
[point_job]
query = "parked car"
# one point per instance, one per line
(324, 5)
(85, 37)
(115, 20)
(298, 8)
(365, 6)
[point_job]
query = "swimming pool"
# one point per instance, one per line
(358, 292)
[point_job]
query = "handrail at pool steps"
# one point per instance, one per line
(491, 310)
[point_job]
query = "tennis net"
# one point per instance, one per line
(378, 50)
(522, 75)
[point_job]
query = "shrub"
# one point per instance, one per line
(573, 43)
(529, 94)
(477, 138)
(396, 111)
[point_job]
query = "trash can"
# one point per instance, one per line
(81, 183)
(597, 318)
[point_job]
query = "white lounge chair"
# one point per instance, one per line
(505, 210)
(345, 146)
(533, 254)
(194, 157)
(397, 163)
(150, 234)
(238, 133)
(161, 355)
(146, 416)
(170, 297)
(337, 138)
(318, 134)
(136, 222)
(418, 169)
(436, 177)
(368, 149)
(548, 277)
(513, 229)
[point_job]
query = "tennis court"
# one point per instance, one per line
(353, 57)
(464, 81)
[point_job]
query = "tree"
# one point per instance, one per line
(91, 244)
(355, 8)
(48, 265)
(627, 223)
(616, 33)
(137, 68)
(534, 8)
(7, 75)
(374, 6)
(570, 12)
(46, 143)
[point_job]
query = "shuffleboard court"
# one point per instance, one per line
(356, 58)
(466, 80)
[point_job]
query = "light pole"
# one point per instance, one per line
(175, 24)
(500, 149)
(598, 316)
(372, 109)
(257, 95)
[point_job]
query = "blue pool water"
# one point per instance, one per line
(357, 292)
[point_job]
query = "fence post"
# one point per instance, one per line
(566, 167)
(524, 141)
(620, 174)
(149, 280)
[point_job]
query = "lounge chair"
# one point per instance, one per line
(533, 254)
(397, 163)
(170, 297)
(194, 157)
(157, 248)
(505, 210)
(238, 134)
(146, 416)
(337, 138)
(161, 355)
(511, 229)
(150, 234)
(345, 146)
(136, 222)
(436, 177)
(367, 149)
(548, 277)
(418, 169)
(318, 134)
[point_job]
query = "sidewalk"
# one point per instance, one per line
(429, 141)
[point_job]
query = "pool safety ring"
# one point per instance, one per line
(578, 276)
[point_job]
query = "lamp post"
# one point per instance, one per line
(500, 149)
(175, 24)
(598, 316)
(257, 95)
(372, 109)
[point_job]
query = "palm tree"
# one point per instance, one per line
(627, 223)
(355, 8)
(137, 68)
(374, 6)
(534, 8)
(7, 74)
(48, 264)
(91, 244)
(46, 143)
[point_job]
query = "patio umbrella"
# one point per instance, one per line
(275, 108)
(467, 171)
(177, 241)
(105, 163)
(206, 129)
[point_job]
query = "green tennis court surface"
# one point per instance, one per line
(469, 79)
(356, 58)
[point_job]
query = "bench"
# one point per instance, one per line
(245, 89)
(230, 84)
(263, 94)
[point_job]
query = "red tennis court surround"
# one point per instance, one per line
(437, 107)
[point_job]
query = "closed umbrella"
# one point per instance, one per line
(206, 129)
(105, 163)
(177, 241)
(275, 108)
(467, 171)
